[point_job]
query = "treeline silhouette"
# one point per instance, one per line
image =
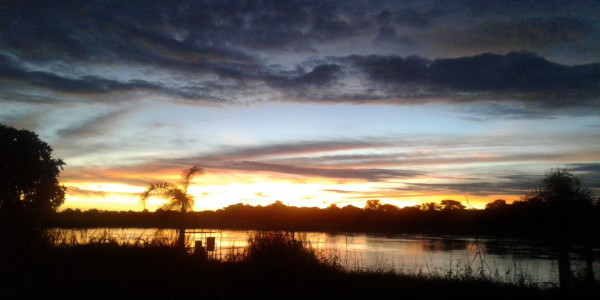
(449, 216)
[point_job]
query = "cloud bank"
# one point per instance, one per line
(232, 52)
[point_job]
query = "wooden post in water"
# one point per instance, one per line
(181, 238)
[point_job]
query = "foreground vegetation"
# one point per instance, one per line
(274, 265)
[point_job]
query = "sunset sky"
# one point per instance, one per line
(306, 102)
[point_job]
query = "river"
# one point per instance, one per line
(508, 260)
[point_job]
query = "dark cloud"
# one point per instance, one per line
(10, 71)
(524, 7)
(385, 34)
(517, 71)
(587, 167)
(320, 75)
(525, 72)
(589, 173)
(85, 85)
(418, 18)
(528, 33)
(502, 185)
(89, 85)
(393, 69)
(239, 51)
(98, 31)
(519, 76)
(208, 31)
(150, 31)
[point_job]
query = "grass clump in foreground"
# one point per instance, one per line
(281, 252)
(273, 266)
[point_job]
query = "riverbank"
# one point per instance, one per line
(516, 220)
(273, 267)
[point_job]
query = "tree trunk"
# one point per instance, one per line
(564, 266)
(181, 239)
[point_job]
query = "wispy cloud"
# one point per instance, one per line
(362, 174)
(97, 126)
(296, 148)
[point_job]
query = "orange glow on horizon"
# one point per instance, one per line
(218, 189)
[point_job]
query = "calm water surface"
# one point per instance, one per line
(508, 260)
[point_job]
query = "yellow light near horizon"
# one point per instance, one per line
(110, 201)
(214, 197)
(220, 189)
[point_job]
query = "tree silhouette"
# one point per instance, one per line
(372, 204)
(496, 204)
(565, 203)
(333, 207)
(388, 208)
(430, 206)
(28, 173)
(178, 196)
(448, 205)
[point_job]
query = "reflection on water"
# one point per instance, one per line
(444, 244)
(503, 259)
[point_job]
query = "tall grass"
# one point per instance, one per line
(283, 251)
(107, 237)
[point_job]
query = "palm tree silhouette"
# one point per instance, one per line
(178, 196)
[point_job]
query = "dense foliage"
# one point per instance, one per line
(28, 173)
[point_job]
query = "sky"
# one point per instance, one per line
(311, 103)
